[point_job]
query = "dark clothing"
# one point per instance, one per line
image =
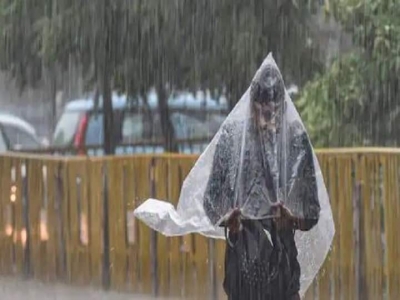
(281, 280)
(275, 274)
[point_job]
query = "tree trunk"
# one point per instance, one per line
(165, 120)
(147, 117)
(105, 83)
(108, 119)
(53, 95)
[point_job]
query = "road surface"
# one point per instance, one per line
(16, 289)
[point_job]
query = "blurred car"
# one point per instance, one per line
(17, 134)
(137, 127)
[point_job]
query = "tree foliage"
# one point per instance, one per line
(356, 101)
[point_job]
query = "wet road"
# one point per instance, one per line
(11, 288)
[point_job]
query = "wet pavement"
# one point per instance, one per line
(11, 288)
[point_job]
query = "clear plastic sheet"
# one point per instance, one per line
(260, 155)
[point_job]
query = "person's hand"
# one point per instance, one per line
(283, 217)
(233, 221)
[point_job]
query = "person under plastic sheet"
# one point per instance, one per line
(261, 254)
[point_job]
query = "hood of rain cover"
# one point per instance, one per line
(260, 155)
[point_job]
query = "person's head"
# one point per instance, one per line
(267, 96)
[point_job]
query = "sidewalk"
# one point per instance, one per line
(17, 289)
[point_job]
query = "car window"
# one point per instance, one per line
(137, 127)
(94, 135)
(193, 127)
(66, 128)
(132, 128)
(19, 138)
(3, 144)
(94, 132)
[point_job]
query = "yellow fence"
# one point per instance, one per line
(52, 225)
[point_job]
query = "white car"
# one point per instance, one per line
(17, 134)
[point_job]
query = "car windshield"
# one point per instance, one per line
(20, 139)
(66, 128)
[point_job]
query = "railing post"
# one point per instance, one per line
(154, 263)
(213, 284)
(356, 236)
(61, 220)
(153, 238)
(106, 237)
(358, 242)
(25, 205)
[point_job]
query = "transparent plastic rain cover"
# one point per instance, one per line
(260, 155)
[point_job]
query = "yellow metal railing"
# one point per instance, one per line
(51, 225)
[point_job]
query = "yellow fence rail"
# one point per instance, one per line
(52, 225)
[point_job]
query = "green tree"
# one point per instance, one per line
(355, 102)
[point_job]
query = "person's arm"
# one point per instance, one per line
(218, 196)
(303, 189)
(285, 220)
(304, 224)
(307, 189)
(233, 225)
(214, 195)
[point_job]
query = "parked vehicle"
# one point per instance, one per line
(137, 127)
(17, 134)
